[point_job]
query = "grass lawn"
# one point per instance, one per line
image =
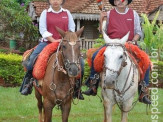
(17, 108)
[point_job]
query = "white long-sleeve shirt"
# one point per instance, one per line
(43, 26)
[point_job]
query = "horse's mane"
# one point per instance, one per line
(71, 36)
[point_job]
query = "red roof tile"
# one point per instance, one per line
(90, 6)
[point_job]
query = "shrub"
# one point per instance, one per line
(86, 71)
(99, 42)
(11, 69)
(153, 34)
(160, 71)
(3, 50)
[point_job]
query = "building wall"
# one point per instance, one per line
(90, 29)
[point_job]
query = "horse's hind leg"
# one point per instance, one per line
(65, 108)
(39, 104)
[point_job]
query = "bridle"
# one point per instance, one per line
(66, 62)
(123, 64)
(63, 69)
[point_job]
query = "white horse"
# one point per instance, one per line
(119, 78)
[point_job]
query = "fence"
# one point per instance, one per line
(87, 43)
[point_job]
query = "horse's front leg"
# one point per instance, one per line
(127, 105)
(48, 107)
(107, 110)
(124, 116)
(39, 104)
(65, 108)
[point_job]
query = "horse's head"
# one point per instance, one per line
(115, 59)
(70, 47)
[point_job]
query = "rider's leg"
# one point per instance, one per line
(26, 87)
(143, 89)
(93, 80)
(77, 90)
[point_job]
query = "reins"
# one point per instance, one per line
(121, 94)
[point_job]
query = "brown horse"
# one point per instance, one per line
(58, 84)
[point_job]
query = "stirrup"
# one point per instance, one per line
(144, 99)
(78, 95)
(143, 94)
(91, 91)
(28, 88)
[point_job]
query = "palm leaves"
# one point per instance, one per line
(153, 33)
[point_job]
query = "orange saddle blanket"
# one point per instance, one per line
(42, 60)
(143, 63)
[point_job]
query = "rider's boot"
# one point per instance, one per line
(143, 93)
(27, 84)
(77, 91)
(94, 82)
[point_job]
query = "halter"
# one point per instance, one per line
(67, 63)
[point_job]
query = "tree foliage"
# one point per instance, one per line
(15, 20)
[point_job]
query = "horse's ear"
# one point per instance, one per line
(125, 38)
(60, 31)
(79, 32)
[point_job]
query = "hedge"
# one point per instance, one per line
(11, 69)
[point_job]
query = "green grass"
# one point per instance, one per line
(17, 108)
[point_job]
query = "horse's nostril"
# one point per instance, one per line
(113, 82)
(69, 69)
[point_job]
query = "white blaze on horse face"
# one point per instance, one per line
(112, 62)
(73, 53)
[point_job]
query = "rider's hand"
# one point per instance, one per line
(132, 42)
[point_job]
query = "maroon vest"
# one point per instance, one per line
(120, 24)
(57, 19)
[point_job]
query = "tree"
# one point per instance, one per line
(15, 20)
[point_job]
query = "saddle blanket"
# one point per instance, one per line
(42, 60)
(134, 53)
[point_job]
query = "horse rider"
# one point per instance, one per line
(119, 21)
(49, 19)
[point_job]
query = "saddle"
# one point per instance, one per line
(42, 59)
(139, 57)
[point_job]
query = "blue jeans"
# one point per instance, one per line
(82, 67)
(34, 54)
(146, 77)
(93, 72)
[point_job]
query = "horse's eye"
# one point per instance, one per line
(121, 56)
(64, 46)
